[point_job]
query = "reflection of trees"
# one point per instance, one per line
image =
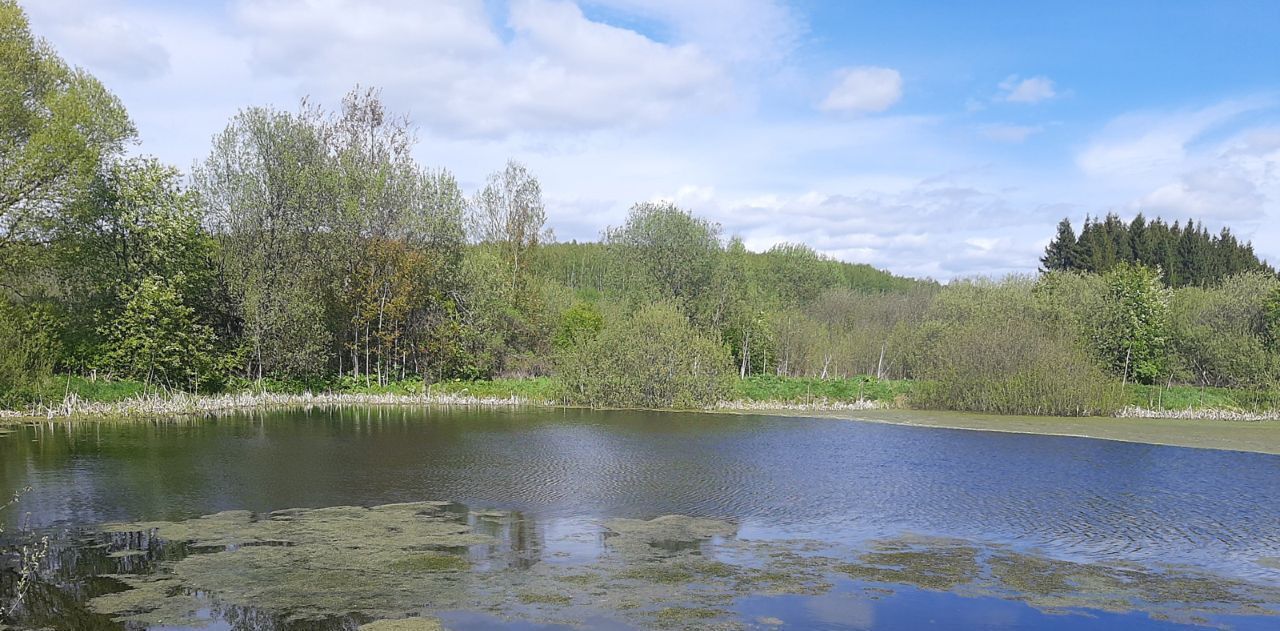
(519, 540)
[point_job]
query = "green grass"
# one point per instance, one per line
(540, 388)
(1193, 397)
(536, 388)
(755, 388)
(806, 389)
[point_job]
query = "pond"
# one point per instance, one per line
(544, 518)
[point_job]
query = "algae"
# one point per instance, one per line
(670, 615)
(404, 624)
(544, 598)
(942, 565)
(389, 563)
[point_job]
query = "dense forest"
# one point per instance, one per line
(308, 247)
(1185, 255)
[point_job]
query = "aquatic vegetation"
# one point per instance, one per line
(672, 615)
(404, 624)
(931, 564)
(394, 562)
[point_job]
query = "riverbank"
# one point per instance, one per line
(852, 399)
(1257, 436)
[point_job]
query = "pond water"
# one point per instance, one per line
(537, 518)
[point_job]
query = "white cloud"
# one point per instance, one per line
(732, 31)
(114, 44)
(558, 71)
(864, 89)
(1029, 90)
(1206, 164)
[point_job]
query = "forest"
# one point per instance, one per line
(309, 250)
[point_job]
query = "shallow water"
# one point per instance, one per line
(552, 482)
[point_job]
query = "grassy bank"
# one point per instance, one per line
(65, 395)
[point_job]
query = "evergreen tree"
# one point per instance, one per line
(1185, 255)
(1063, 251)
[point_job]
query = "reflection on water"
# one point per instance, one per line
(556, 505)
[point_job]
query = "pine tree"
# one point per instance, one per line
(1063, 252)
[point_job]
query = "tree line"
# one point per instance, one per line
(309, 249)
(1186, 255)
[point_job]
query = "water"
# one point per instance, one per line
(557, 475)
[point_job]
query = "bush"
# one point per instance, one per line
(653, 359)
(28, 357)
(990, 347)
(1219, 334)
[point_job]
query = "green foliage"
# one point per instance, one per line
(59, 124)
(134, 222)
(1271, 320)
(1220, 335)
(1162, 397)
(27, 360)
(156, 339)
(664, 252)
(986, 347)
(1132, 336)
(579, 324)
(1186, 255)
(653, 359)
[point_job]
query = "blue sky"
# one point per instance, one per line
(934, 139)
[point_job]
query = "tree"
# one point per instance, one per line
(579, 324)
(134, 222)
(59, 124)
(664, 251)
(269, 194)
(1062, 252)
(29, 353)
(1271, 320)
(509, 214)
(156, 339)
(1133, 334)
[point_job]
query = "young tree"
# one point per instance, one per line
(653, 359)
(1133, 334)
(508, 213)
(1271, 320)
(156, 339)
(134, 222)
(269, 194)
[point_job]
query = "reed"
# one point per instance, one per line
(178, 404)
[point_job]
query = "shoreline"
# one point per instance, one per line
(1195, 428)
(1252, 436)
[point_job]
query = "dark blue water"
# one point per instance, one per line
(835, 481)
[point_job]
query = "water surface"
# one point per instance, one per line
(553, 480)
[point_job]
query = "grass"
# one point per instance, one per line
(1201, 398)
(809, 389)
(759, 388)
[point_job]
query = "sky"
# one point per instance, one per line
(932, 139)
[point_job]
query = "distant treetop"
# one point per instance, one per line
(1186, 254)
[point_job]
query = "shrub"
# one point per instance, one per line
(998, 348)
(653, 359)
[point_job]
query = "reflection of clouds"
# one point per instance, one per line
(844, 610)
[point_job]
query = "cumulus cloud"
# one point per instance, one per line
(558, 70)
(1029, 90)
(114, 44)
(864, 89)
(1205, 164)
